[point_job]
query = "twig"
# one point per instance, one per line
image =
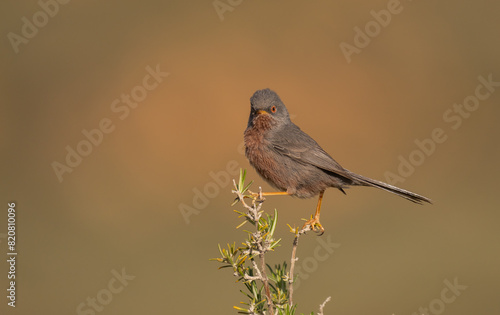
(254, 212)
(265, 280)
(322, 306)
(250, 278)
(262, 258)
(254, 215)
(293, 260)
(258, 244)
(292, 267)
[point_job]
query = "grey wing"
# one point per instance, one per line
(300, 147)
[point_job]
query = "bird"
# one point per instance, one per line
(294, 163)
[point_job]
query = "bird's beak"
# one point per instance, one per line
(262, 112)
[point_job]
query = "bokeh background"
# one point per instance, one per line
(120, 208)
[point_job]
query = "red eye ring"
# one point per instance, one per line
(273, 109)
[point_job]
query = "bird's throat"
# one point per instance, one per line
(263, 123)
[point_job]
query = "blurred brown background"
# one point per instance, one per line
(120, 207)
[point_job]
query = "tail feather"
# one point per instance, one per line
(365, 181)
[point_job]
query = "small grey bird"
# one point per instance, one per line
(295, 164)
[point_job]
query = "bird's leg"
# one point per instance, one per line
(314, 221)
(275, 193)
(272, 193)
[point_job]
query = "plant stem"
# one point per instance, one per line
(322, 306)
(292, 267)
(265, 280)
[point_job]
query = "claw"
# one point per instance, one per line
(256, 196)
(315, 225)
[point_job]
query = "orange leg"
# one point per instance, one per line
(272, 193)
(314, 221)
(276, 193)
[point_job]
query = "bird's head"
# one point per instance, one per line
(266, 104)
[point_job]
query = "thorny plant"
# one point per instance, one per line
(269, 290)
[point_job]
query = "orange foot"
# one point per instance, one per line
(256, 196)
(314, 225)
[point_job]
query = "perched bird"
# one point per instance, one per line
(291, 161)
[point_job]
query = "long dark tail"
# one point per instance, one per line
(365, 181)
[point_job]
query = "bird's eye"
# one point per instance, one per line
(273, 109)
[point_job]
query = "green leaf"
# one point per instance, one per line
(243, 174)
(235, 201)
(242, 223)
(275, 244)
(273, 222)
(241, 309)
(227, 266)
(247, 186)
(241, 183)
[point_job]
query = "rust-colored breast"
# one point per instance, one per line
(259, 153)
